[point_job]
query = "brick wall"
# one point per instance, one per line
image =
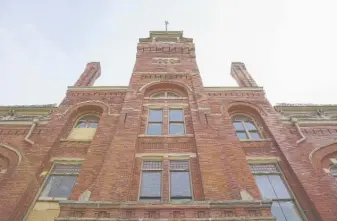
(112, 161)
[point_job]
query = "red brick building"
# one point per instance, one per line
(166, 147)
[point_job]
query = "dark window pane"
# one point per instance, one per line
(255, 135)
(242, 135)
(177, 129)
(290, 211)
(279, 187)
(265, 187)
(238, 126)
(156, 116)
(154, 129)
(176, 115)
(60, 186)
(180, 184)
(276, 210)
(250, 126)
(151, 186)
(92, 125)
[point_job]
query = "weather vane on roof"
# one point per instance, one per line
(166, 23)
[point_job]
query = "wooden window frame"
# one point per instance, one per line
(155, 122)
(281, 174)
(146, 198)
(246, 130)
(176, 122)
(187, 198)
(165, 95)
(53, 173)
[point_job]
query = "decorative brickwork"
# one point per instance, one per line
(216, 176)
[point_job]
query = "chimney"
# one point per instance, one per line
(241, 75)
(88, 77)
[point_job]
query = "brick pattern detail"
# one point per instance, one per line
(219, 171)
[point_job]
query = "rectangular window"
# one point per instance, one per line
(180, 185)
(61, 181)
(272, 186)
(151, 181)
(176, 122)
(155, 122)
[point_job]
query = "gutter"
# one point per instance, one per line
(34, 124)
(295, 122)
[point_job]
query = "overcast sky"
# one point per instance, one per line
(289, 47)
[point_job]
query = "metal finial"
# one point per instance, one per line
(166, 24)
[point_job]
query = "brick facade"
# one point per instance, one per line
(300, 139)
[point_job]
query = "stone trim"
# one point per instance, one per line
(191, 204)
(210, 89)
(7, 122)
(160, 105)
(239, 218)
(262, 159)
(308, 122)
(97, 88)
(167, 135)
(173, 156)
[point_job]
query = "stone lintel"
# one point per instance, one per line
(194, 204)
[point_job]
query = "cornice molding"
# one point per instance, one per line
(217, 89)
(98, 88)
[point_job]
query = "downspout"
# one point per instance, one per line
(35, 121)
(295, 122)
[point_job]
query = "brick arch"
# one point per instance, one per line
(170, 85)
(319, 157)
(251, 111)
(10, 158)
(97, 106)
(73, 115)
(246, 105)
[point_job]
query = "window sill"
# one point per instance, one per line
(166, 98)
(183, 135)
(262, 140)
(51, 199)
(75, 140)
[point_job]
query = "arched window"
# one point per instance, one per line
(245, 128)
(164, 94)
(88, 121)
(4, 164)
(84, 128)
(333, 171)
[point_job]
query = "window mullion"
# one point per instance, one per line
(246, 130)
(277, 199)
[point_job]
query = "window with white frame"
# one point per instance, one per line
(180, 182)
(155, 122)
(176, 122)
(272, 186)
(61, 181)
(150, 189)
(245, 128)
(87, 121)
(165, 94)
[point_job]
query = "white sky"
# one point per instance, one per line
(289, 47)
